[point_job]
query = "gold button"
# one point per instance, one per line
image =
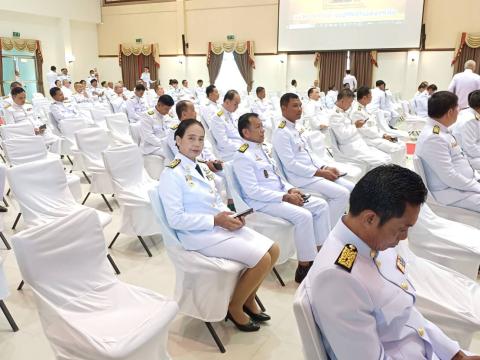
(378, 262)
(421, 331)
(373, 253)
(404, 285)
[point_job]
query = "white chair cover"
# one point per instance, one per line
(342, 158)
(445, 297)
(3, 282)
(309, 332)
(154, 165)
(86, 312)
(203, 285)
(40, 188)
(92, 142)
(131, 184)
(10, 131)
(68, 127)
(98, 115)
(448, 243)
(119, 128)
(277, 229)
(448, 212)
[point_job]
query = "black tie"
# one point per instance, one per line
(199, 170)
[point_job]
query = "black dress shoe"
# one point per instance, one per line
(301, 272)
(262, 317)
(248, 327)
(3, 209)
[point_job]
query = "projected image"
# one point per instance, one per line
(307, 14)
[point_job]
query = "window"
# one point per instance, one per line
(229, 76)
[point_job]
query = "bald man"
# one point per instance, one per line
(464, 83)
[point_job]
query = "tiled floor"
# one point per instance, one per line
(189, 338)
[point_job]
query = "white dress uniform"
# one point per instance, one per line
(315, 115)
(263, 189)
(463, 84)
(89, 79)
(99, 93)
(191, 202)
(175, 93)
(364, 304)
(17, 114)
(224, 129)
(145, 77)
(351, 142)
(64, 77)
(467, 132)
(350, 80)
(67, 92)
(207, 152)
(63, 110)
(200, 94)
(82, 97)
(449, 175)
(208, 111)
(300, 165)
(119, 104)
(136, 106)
(153, 130)
(331, 99)
(373, 136)
(264, 109)
(420, 103)
(187, 94)
(52, 76)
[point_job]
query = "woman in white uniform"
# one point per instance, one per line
(203, 223)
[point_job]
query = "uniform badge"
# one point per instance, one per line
(477, 117)
(189, 180)
(436, 129)
(174, 127)
(359, 107)
(401, 264)
(282, 124)
(347, 257)
(301, 131)
(174, 163)
(265, 173)
(220, 113)
(150, 112)
(243, 148)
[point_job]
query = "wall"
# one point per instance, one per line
(84, 47)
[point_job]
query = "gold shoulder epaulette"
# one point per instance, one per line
(282, 124)
(347, 257)
(174, 163)
(150, 112)
(243, 148)
(436, 129)
(7, 105)
(220, 113)
(174, 127)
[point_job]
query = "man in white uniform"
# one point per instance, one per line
(449, 175)
(118, 100)
(420, 100)
(81, 95)
(224, 127)
(380, 102)
(350, 80)
(174, 91)
(137, 105)
(358, 287)
(464, 83)
(93, 75)
(60, 108)
(370, 131)
(187, 93)
(64, 75)
(331, 97)
(315, 116)
(200, 94)
(67, 89)
(467, 130)
(208, 110)
(302, 167)
(264, 108)
(264, 190)
(145, 77)
(52, 76)
(348, 137)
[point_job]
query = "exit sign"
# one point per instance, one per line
(230, 37)
(138, 41)
(16, 34)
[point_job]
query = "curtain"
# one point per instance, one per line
(132, 63)
(1, 73)
(39, 68)
(467, 53)
(246, 69)
(331, 67)
(362, 67)
(214, 63)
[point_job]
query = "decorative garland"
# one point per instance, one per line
(240, 47)
(472, 40)
(19, 44)
(136, 50)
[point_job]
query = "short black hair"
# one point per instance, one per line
(184, 125)
(259, 89)
(379, 83)
(432, 87)
(423, 85)
(103, 83)
(139, 87)
(93, 80)
(15, 84)
(173, 81)
(210, 89)
(53, 68)
(347, 71)
(17, 90)
(184, 81)
(83, 82)
(386, 190)
(230, 94)
(244, 122)
(474, 99)
(345, 93)
(165, 100)
(285, 99)
(181, 107)
(293, 82)
(54, 90)
(199, 81)
(63, 69)
(440, 102)
(362, 91)
(310, 91)
(331, 87)
(146, 67)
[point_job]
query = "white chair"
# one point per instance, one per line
(277, 229)
(131, 184)
(312, 344)
(3, 295)
(98, 116)
(448, 243)
(68, 128)
(154, 165)
(119, 128)
(86, 312)
(445, 211)
(341, 157)
(203, 285)
(9, 131)
(92, 142)
(445, 297)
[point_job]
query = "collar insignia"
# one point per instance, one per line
(347, 257)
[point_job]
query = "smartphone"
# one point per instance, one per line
(218, 165)
(242, 213)
(42, 127)
(306, 196)
(342, 174)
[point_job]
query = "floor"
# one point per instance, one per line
(189, 338)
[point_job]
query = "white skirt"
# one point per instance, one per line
(245, 246)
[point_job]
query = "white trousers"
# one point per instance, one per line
(398, 151)
(471, 202)
(311, 224)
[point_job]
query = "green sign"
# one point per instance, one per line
(138, 41)
(16, 34)
(230, 37)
